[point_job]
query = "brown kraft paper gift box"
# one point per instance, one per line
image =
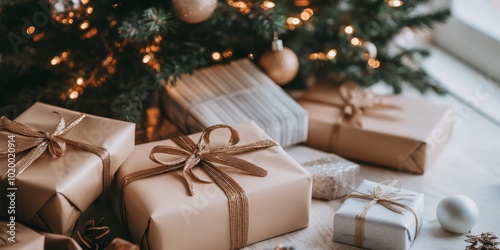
(53, 192)
(406, 136)
(162, 215)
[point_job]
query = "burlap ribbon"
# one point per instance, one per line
(39, 141)
(387, 197)
(202, 155)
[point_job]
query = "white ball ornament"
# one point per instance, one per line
(457, 213)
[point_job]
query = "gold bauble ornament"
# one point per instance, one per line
(194, 11)
(280, 63)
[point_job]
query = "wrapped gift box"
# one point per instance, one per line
(162, 215)
(53, 192)
(234, 93)
(407, 137)
(383, 228)
(24, 238)
(333, 176)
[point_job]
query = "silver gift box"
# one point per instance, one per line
(383, 228)
(333, 177)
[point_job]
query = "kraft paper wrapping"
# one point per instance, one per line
(384, 229)
(162, 215)
(53, 192)
(25, 239)
(57, 241)
(407, 138)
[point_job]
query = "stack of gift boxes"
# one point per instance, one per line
(226, 186)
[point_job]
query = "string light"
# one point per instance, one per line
(355, 41)
(147, 58)
(349, 30)
(38, 37)
(91, 33)
(251, 56)
(84, 25)
(30, 30)
(242, 6)
(74, 94)
(374, 63)
(395, 3)
(293, 20)
(314, 56)
(56, 60)
(306, 14)
(216, 56)
(79, 81)
(331, 54)
(84, 2)
(227, 53)
(302, 3)
(267, 5)
(90, 10)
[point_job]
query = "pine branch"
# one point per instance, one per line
(425, 21)
(151, 23)
(267, 22)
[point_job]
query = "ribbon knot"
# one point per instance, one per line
(208, 158)
(356, 101)
(387, 197)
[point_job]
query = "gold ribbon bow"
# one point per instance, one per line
(39, 141)
(202, 155)
(388, 198)
(357, 101)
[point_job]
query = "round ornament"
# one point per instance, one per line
(457, 213)
(280, 64)
(194, 11)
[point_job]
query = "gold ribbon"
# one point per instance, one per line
(385, 197)
(202, 155)
(39, 141)
(354, 102)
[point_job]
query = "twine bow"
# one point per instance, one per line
(39, 141)
(357, 101)
(202, 155)
(388, 198)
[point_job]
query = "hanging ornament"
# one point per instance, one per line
(194, 11)
(280, 63)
